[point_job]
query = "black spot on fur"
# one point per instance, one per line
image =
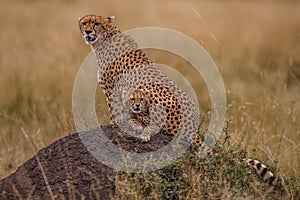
(264, 171)
(271, 179)
(258, 166)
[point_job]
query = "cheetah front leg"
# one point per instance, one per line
(145, 135)
(148, 131)
(135, 125)
(130, 126)
(155, 126)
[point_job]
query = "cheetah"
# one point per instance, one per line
(137, 103)
(123, 67)
(124, 70)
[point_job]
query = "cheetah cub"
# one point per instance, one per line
(138, 105)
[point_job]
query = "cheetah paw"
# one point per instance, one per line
(145, 137)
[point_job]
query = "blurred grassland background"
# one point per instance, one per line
(255, 44)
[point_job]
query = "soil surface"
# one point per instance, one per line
(66, 169)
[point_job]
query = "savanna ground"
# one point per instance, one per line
(256, 46)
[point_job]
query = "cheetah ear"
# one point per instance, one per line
(79, 19)
(110, 19)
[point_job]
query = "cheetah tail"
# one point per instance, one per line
(265, 173)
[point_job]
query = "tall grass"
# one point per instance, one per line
(255, 45)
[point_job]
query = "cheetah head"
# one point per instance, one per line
(92, 26)
(138, 101)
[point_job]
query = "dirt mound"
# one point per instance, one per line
(66, 169)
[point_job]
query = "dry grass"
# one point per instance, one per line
(255, 45)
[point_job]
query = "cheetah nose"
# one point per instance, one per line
(87, 31)
(137, 105)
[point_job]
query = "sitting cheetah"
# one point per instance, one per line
(123, 68)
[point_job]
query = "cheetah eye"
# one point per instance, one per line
(96, 24)
(132, 99)
(83, 23)
(142, 99)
